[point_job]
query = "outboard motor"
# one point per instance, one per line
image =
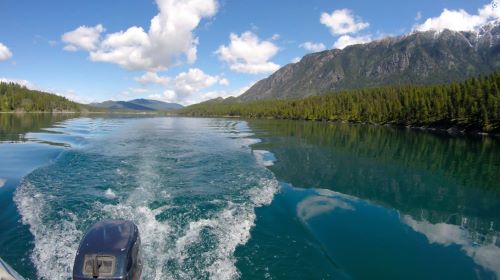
(109, 250)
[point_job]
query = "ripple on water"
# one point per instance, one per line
(193, 198)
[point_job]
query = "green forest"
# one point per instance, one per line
(473, 104)
(17, 98)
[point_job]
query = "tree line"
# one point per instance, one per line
(17, 98)
(473, 104)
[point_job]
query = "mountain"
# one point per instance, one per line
(137, 105)
(156, 105)
(429, 57)
(120, 105)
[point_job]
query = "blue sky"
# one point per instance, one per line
(96, 50)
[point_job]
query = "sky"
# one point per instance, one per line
(188, 51)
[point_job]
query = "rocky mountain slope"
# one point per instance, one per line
(417, 58)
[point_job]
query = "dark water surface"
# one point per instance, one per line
(228, 199)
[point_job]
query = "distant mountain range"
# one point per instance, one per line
(429, 57)
(137, 105)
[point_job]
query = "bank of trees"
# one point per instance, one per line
(16, 98)
(471, 104)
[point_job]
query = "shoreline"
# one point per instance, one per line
(87, 113)
(450, 130)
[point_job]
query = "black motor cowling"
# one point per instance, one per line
(109, 250)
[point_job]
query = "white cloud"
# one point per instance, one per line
(266, 67)
(152, 78)
(170, 36)
(296, 59)
(460, 20)
(224, 82)
(418, 16)
(343, 22)
(170, 95)
(83, 38)
(193, 80)
(5, 53)
(73, 95)
(187, 86)
(209, 95)
(138, 90)
(167, 96)
(248, 54)
(347, 40)
(313, 47)
(204, 96)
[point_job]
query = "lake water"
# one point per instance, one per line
(257, 199)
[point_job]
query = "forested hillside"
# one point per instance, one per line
(16, 98)
(473, 104)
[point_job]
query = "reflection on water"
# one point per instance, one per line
(391, 167)
(484, 249)
(317, 205)
(468, 161)
(14, 127)
(407, 196)
(355, 202)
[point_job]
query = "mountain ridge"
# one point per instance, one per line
(140, 104)
(429, 57)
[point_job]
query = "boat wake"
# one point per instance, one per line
(191, 187)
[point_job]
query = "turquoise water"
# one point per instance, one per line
(229, 199)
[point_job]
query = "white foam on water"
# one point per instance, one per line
(2, 182)
(153, 235)
(247, 142)
(264, 158)
(110, 194)
(55, 243)
(191, 236)
(166, 243)
(231, 227)
(264, 194)
(239, 134)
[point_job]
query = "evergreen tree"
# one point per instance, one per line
(472, 104)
